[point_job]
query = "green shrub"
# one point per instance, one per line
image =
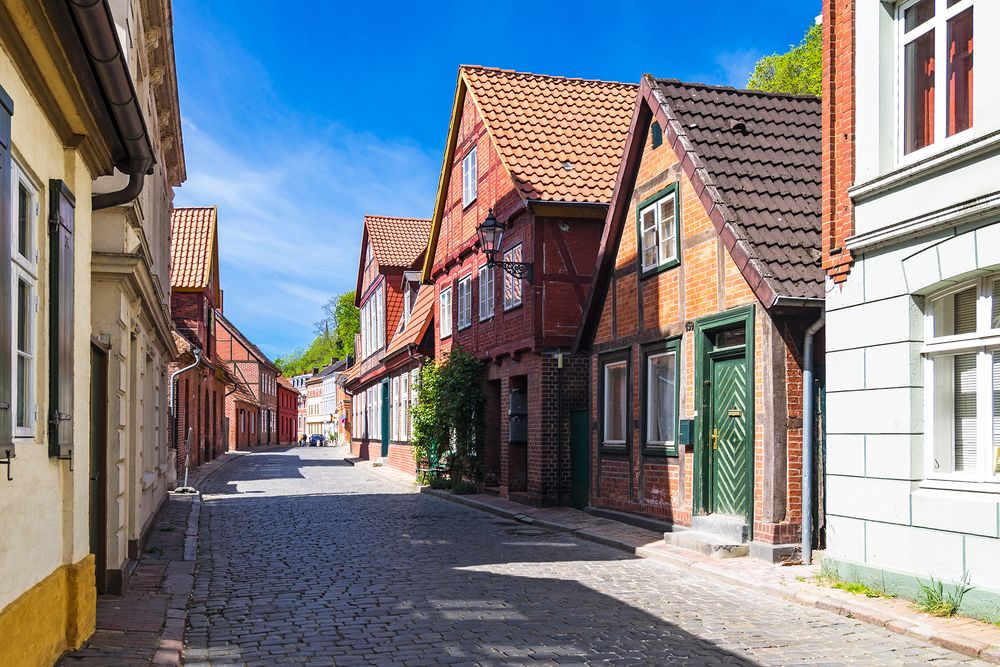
(461, 487)
(938, 601)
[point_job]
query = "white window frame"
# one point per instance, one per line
(470, 175)
(939, 415)
(940, 141)
(444, 303)
(464, 289)
(487, 292)
(512, 284)
(24, 269)
(607, 366)
(655, 206)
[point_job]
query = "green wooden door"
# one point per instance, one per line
(579, 457)
(385, 418)
(730, 476)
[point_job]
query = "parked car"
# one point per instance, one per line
(317, 441)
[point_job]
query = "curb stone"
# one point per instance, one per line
(856, 609)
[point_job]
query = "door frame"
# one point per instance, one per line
(99, 460)
(385, 416)
(703, 329)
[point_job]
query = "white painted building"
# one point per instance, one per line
(913, 334)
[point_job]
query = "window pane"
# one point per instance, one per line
(667, 238)
(995, 316)
(23, 226)
(23, 390)
(918, 108)
(614, 430)
(960, 72)
(662, 393)
(957, 314)
(918, 14)
(23, 315)
(965, 412)
(996, 413)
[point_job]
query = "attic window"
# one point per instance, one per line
(657, 133)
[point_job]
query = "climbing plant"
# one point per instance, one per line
(448, 416)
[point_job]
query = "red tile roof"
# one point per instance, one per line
(397, 242)
(193, 233)
(416, 328)
(561, 139)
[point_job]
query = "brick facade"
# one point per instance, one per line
(519, 344)
(257, 378)
(288, 410)
(838, 135)
(641, 313)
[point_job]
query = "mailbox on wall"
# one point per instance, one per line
(685, 435)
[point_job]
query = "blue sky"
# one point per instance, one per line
(300, 117)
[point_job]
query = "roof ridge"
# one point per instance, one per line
(395, 217)
(545, 76)
(734, 89)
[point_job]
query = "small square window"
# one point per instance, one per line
(658, 231)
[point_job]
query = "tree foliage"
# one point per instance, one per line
(448, 415)
(334, 338)
(798, 71)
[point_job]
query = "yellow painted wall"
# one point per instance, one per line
(54, 615)
(47, 597)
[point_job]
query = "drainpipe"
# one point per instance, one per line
(808, 426)
(99, 36)
(173, 415)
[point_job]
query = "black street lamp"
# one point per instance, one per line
(490, 239)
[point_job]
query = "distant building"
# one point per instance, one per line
(258, 377)
(288, 410)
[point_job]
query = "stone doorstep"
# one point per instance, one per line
(961, 635)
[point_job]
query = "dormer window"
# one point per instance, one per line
(935, 71)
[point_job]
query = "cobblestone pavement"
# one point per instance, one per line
(305, 560)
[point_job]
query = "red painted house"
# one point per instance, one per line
(708, 278)
(541, 152)
(288, 411)
(382, 382)
(195, 294)
(258, 378)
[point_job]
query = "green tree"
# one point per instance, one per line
(334, 338)
(340, 322)
(798, 71)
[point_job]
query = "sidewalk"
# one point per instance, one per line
(146, 625)
(793, 583)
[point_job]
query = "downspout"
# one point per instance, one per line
(808, 428)
(99, 36)
(173, 417)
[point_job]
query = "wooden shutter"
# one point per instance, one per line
(6, 322)
(61, 219)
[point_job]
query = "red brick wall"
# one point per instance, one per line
(240, 440)
(838, 134)
(639, 311)
(203, 417)
(287, 414)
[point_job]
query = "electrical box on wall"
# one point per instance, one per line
(685, 435)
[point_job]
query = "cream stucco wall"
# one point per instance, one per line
(44, 510)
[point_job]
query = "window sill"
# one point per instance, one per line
(660, 450)
(466, 205)
(507, 309)
(928, 164)
(486, 319)
(446, 336)
(959, 485)
(467, 326)
(666, 266)
(614, 448)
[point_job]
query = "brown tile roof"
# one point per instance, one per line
(397, 242)
(286, 383)
(766, 173)
(754, 160)
(193, 232)
(561, 139)
(416, 328)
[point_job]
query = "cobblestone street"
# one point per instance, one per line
(306, 560)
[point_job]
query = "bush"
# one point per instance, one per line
(462, 487)
(442, 483)
(448, 415)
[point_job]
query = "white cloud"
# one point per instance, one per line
(736, 66)
(290, 212)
